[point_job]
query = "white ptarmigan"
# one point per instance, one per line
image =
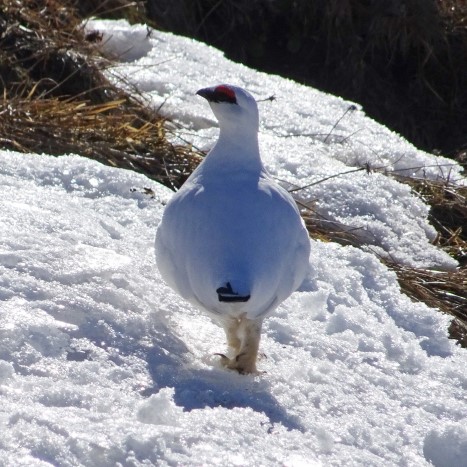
(231, 240)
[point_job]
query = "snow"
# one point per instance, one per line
(447, 448)
(101, 364)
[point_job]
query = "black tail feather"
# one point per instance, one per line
(226, 294)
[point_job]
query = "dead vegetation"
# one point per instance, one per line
(55, 99)
(448, 213)
(113, 133)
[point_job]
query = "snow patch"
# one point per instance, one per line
(446, 447)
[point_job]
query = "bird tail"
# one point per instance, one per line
(226, 294)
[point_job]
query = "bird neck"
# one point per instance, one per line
(236, 151)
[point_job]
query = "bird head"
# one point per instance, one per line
(234, 108)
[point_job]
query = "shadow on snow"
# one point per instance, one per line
(217, 387)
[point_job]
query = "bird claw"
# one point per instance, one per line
(224, 359)
(235, 363)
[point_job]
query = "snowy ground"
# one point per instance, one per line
(102, 364)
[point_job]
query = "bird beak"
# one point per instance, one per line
(207, 93)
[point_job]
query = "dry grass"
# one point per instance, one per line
(448, 214)
(55, 98)
(113, 133)
(446, 291)
(43, 53)
(133, 11)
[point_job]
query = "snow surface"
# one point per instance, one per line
(101, 364)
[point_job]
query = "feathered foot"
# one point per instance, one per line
(240, 363)
(243, 335)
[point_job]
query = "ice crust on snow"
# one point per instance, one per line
(101, 364)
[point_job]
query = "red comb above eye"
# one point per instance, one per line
(227, 91)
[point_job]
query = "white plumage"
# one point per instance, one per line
(231, 240)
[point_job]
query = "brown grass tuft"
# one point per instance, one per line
(113, 133)
(55, 98)
(448, 214)
(446, 291)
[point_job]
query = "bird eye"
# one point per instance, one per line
(225, 94)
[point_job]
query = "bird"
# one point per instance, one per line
(231, 240)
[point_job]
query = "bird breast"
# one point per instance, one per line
(247, 234)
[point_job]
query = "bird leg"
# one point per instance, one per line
(231, 331)
(243, 335)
